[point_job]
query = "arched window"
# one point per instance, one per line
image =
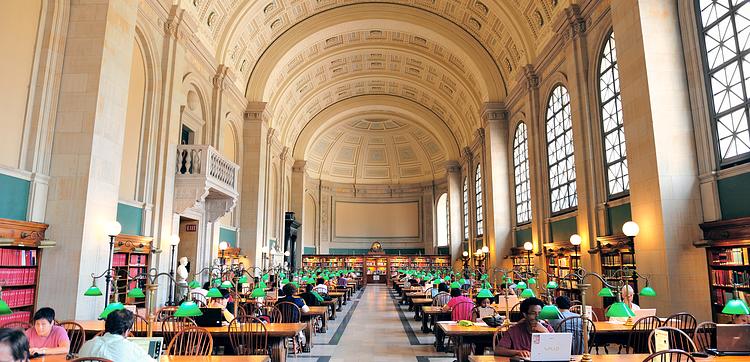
(480, 202)
(521, 174)
(441, 217)
(615, 155)
(562, 169)
(724, 28)
(466, 209)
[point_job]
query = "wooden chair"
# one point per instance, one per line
(574, 325)
(705, 336)
(273, 313)
(17, 325)
(165, 312)
(290, 313)
(677, 340)
(199, 299)
(638, 335)
(496, 339)
(76, 334)
(91, 359)
(102, 332)
(670, 355)
(476, 313)
(577, 310)
(191, 341)
(173, 325)
(248, 336)
(682, 321)
(441, 299)
(140, 325)
(462, 311)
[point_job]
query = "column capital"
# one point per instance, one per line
(452, 166)
(468, 155)
(494, 112)
(299, 166)
(219, 79)
(571, 24)
(175, 24)
(284, 153)
(255, 112)
(532, 79)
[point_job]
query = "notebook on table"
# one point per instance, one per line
(732, 340)
(151, 345)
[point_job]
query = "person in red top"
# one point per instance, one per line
(517, 340)
(45, 337)
(459, 305)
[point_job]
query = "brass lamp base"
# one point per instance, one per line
(629, 322)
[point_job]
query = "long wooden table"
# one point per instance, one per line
(308, 318)
(339, 296)
(613, 358)
(433, 312)
(61, 358)
(277, 334)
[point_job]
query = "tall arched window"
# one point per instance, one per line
(441, 217)
(521, 174)
(480, 202)
(562, 169)
(724, 28)
(615, 155)
(466, 209)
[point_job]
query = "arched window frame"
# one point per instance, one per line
(445, 220)
(726, 67)
(521, 174)
(560, 153)
(466, 208)
(613, 133)
(479, 200)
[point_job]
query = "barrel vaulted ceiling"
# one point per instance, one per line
(420, 69)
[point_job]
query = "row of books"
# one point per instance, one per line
(15, 317)
(618, 260)
(121, 259)
(733, 256)
(722, 296)
(20, 276)
(18, 297)
(17, 257)
(726, 278)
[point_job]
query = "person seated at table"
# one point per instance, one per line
(434, 290)
(441, 288)
(114, 345)
(509, 288)
(741, 319)
(224, 304)
(311, 297)
(342, 281)
(45, 337)
(289, 291)
(14, 346)
(517, 340)
(466, 304)
(563, 304)
(627, 298)
(321, 286)
(484, 308)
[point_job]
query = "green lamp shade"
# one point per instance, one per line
(266, 277)
(483, 277)
(552, 285)
(447, 278)
(136, 293)
(485, 293)
(285, 281)
(606, 292)
(111, 308)
(4, 308)
(521, 285)
(736, 306)
(282, 275)
(214, 293)
(188, 309)
(532, 281)
(620, 309)
(296, 285)
(217, 281)
(193, 284)
(549, 311)
(648, 292)
(527, 293)
(262, 285)
(508, 280)
(486, 285)
(258, 293)
(455, 285)
(243, 279)
(462, 281)
(93, 291)
(227, 284)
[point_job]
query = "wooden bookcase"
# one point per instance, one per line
(132, 256)
(21, 244)
(377, 269)
(366, 265)
(617, 254)
(727, 246)
(561, 260)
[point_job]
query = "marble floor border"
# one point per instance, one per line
(344, 322)
(413, 339)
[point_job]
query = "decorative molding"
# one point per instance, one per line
(22, 233)
(732, 230)
(532, 78)
(299, 166)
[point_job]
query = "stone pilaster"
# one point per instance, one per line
(454, 206)
(497, 177)
(297, 200)
(254, 172)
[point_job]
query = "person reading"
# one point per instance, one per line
(114, 345)
(311, 297)
(224, 304)
(458, 300)
(45, 337)
(517, 340)
(14, 346)
(627, 298)
(321, 288)
(484, 307)
(289, 291)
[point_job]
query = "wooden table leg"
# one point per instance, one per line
(439, 336)
(425, 329)
(416, 312)
(339, 299)
(463, 349)
(308, 336)
(324, 327)
(333, 311)
(278, 349)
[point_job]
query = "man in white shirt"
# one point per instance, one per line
(113, 344)
(321, 288)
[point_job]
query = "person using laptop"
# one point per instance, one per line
(14, 347)
(516, 342)
(114, 345)
(223, 304)
(627, 293)
(45, 337)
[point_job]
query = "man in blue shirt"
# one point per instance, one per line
(289, 291)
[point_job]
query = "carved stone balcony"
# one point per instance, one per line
(205, 180)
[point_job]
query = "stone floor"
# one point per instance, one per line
(373, 328)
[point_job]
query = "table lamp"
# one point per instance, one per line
(188, 308)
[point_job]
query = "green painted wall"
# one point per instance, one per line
(14, 197)
(561, 230)
(523, 236)
(443, 250)
(348, 251)
(229, 236)
(617, 216)
(131, 219)
(734, 196)
(309, 250)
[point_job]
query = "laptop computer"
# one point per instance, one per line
(640, 313)
(211, 317)
(152, 345)
(551, 347)
(732, 340)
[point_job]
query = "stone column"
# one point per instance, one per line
(498, 220)
(664, 191)
(86, 155)
(217, 101)
(297, 198)
(454, 207)
(254, 170)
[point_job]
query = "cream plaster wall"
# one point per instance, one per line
(19, 20)
(385, 220)
(133, 126)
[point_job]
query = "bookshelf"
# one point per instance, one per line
(386, 265)
(561, 260)
(617, 254)
(441, 262)
(132, 256)
(310, 262)
(21, 245)
(377, 269)
(727, 246)
(396, 263)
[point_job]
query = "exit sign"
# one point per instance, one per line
(191, 227)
